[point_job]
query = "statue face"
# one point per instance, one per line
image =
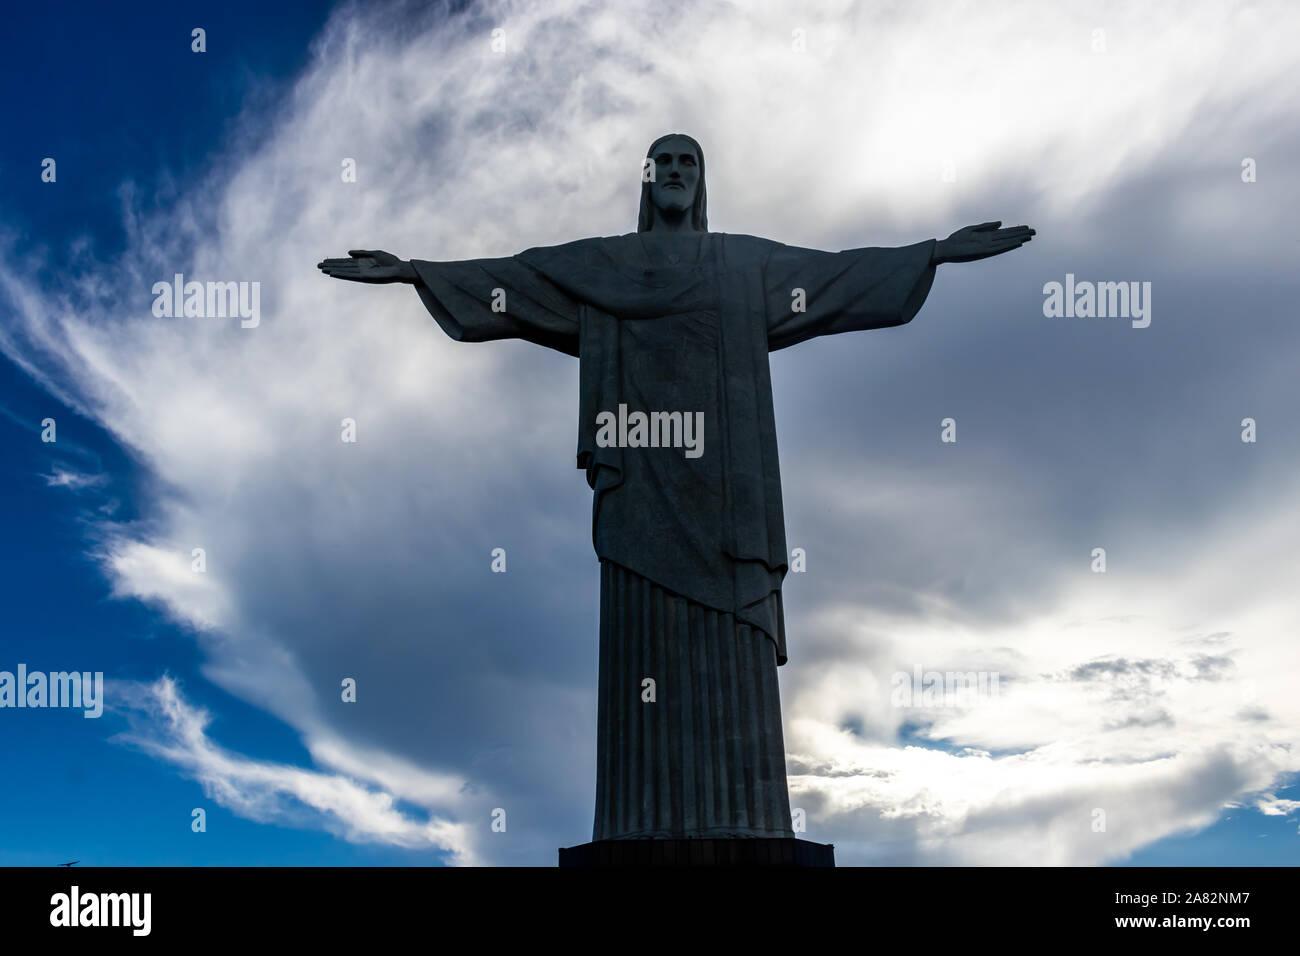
(677, 176)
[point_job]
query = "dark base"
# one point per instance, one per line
(777, 851)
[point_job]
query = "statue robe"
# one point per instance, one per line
(692, 550)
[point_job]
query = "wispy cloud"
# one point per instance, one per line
(73, 480)
(359, 803)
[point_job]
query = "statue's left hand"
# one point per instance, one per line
(369, 265)
(980, 242)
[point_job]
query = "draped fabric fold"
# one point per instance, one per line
(705, 757)
(686, 332)
(692, 546)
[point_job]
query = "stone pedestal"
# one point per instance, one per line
(777, 851)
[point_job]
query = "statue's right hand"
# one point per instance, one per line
(369, 265)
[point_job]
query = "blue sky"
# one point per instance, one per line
(121, 99)
(477, 690)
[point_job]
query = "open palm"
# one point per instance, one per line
(979, 242)
(368, 265)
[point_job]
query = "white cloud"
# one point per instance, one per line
(175, 731)
(1158, 693)
(73, 480)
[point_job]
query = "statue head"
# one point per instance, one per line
(674, 187)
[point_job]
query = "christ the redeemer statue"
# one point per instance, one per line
(672, 325)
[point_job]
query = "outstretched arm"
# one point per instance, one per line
(979, 242)
(475, 300)
(812, 293)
